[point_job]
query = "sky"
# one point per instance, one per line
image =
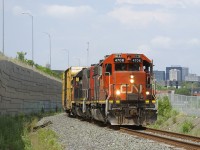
(166, 31)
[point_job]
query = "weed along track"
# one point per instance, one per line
(176, 139)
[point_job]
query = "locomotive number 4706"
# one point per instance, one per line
(120, 60)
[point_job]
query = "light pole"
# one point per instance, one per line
(88, 53)
(192, 89)
(32, 33)
(49, 45)
(3, 26)
(67, 56)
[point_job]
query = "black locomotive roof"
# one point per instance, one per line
(79, 74)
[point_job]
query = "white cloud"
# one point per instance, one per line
(60, 10)
(128, 16)
(166, 3)
(161, 42)
(194, 42)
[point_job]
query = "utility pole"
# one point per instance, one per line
(49, 46)
(88, 44)
(3, 26)
(68, 56)
(192, 89)
(32, 33)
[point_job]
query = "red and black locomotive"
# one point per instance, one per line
(119, 90)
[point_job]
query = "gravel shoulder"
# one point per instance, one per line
(75, 134)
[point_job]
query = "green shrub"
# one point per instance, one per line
(174, 113)
(165, 112)
(174, 119)
(30, 62)
(11, 133)
(164, 107)
(21, 58)
(48, 71)
(14, 131)
(186, 127)
(160, 120)
(183, 91)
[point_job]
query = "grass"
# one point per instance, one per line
(196, 132)
(13, 134)
(16, 134)
(22, 60)
(48, 136)
(169, 119)
(44, 139)
(165, 112)
(174, 119)
(186, 127)
(48, 71)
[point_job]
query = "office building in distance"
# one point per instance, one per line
(159, 75)
(176, 73)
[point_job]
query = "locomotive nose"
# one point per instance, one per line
(129, 84)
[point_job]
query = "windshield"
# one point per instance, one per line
(127, 67)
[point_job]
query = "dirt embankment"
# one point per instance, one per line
(182, 124)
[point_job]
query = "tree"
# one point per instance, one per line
(182, 91)
(30, 62)
(21, 56)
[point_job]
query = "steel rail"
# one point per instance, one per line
(177, 135)
(161, 138)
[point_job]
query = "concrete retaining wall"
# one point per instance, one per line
(23, 90)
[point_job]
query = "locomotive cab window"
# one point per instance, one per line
(146, 66)
(146, 69)
(134, 67)
(108, 68)
(120, 67)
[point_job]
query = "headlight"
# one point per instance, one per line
(132, 76)
(118, 92)
(132, 80)
(147, 92)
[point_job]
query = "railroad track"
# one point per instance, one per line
(177, 135)
(178, 140)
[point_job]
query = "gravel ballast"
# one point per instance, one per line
(75, 134)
